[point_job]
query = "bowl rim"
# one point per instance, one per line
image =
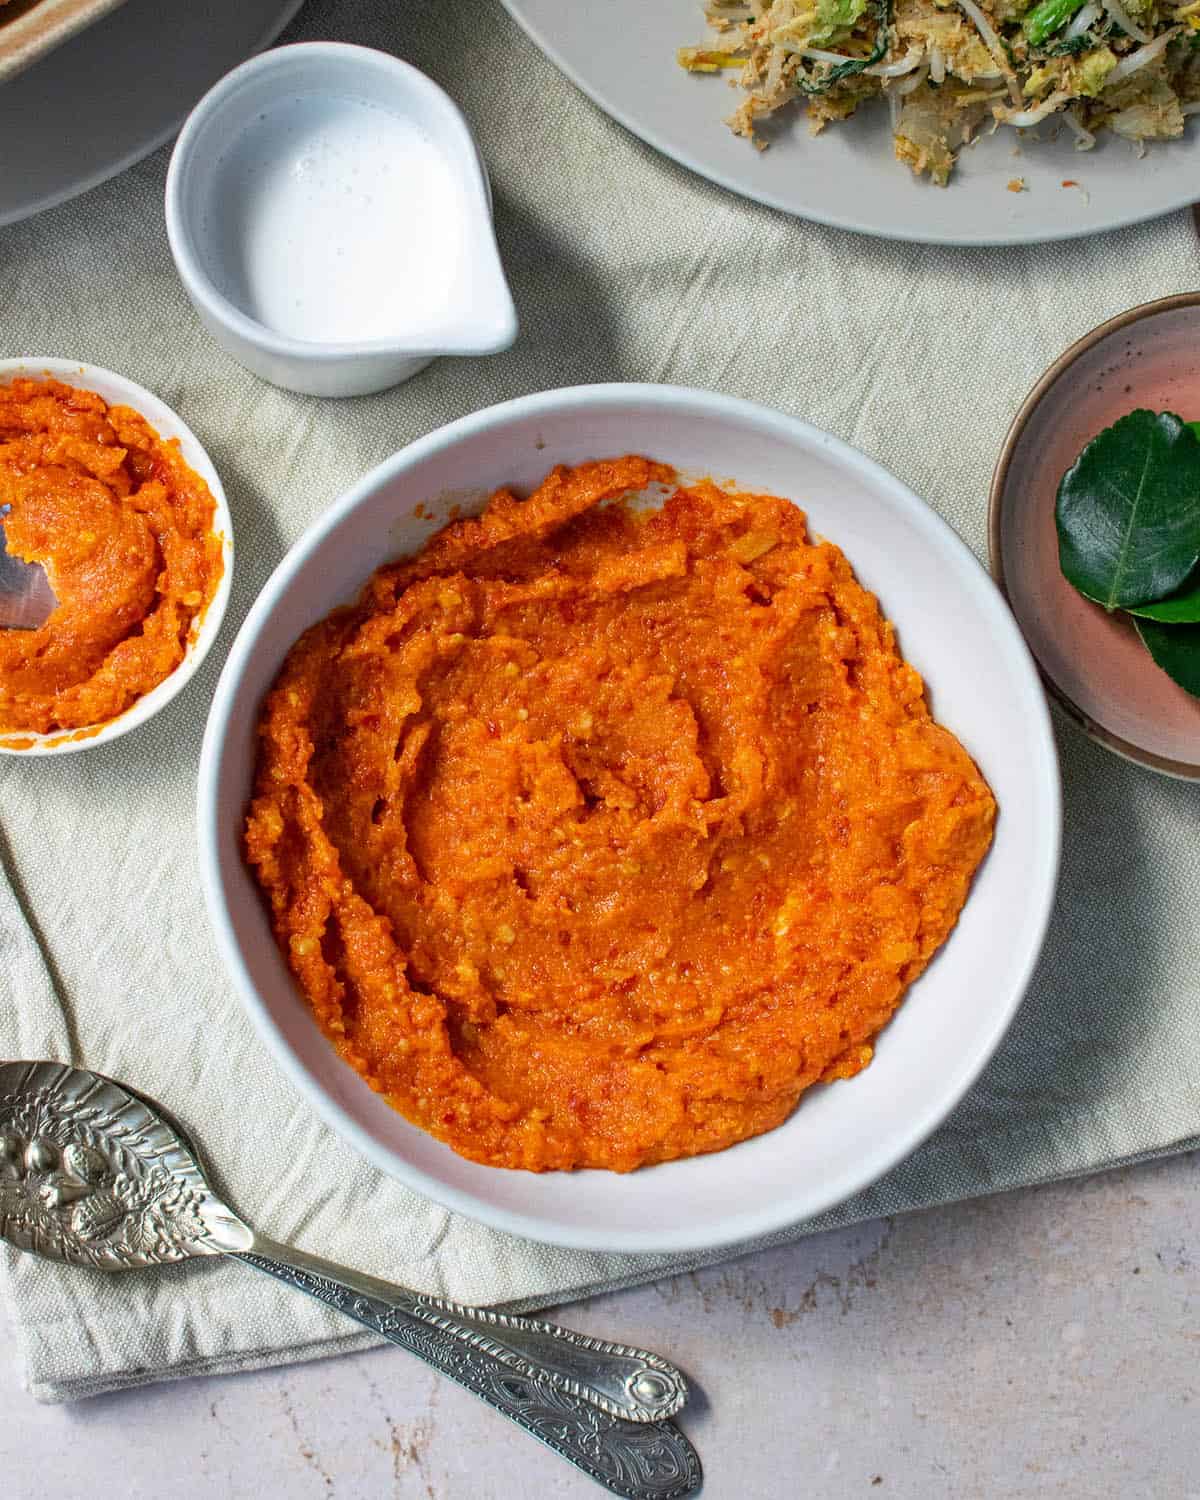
(777, 1215)
(180, 209)
(1181, 770)
(83, 374)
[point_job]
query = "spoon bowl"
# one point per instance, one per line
(92, 1175)
(26, 599)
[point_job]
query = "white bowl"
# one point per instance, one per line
(297, 188)
(118, 391)
(953, 626)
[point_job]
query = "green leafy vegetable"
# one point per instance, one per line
(1062, 46)
(1180, 608)
(1176, 649)
(882, 11)
(1128, 511)
(1128, 515)
(1046, 17)
(1065, 48)
(834, 16)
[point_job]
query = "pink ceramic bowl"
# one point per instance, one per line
(1092, 662)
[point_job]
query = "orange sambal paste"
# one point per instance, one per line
(124, 530)
(595, 836)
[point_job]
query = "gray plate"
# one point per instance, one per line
(113, 93)
(622, 53)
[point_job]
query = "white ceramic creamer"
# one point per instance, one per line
(331, 221)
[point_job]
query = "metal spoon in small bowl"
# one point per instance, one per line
(26, 598)
(94, 1175)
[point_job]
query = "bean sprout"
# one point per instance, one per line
(910, 60)
(1142, 57)
(1120, 17)
(834, 59)
(994, 45)
(914, 81)
(1086, 18)
(1024, 118)
(1084, 139)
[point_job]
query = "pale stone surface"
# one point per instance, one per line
(1040, 1343)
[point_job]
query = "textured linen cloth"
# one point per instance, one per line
(624, 267)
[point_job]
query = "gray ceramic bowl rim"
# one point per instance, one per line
(1181, 769)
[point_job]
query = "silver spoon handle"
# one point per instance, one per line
(626, 1382)
(569, 1403)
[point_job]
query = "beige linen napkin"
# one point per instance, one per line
(624, 267)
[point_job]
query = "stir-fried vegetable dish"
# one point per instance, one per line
(949, 68)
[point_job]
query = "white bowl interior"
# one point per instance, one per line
(119, 391)
(953, 626)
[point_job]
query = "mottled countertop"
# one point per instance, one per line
(1040, 1343)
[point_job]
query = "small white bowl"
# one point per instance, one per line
(118, 391)
(953, 626)
(330, 217)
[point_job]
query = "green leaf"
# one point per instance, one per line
(1183, 606)
(1179, 608)
(1176, 649)
(1048, 17)
(821, 83)
(1128, 511)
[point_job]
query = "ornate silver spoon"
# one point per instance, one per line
(94, 1175)
(26, 598)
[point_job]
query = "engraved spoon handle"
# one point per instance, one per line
(626, 1382)
(503, 1360)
